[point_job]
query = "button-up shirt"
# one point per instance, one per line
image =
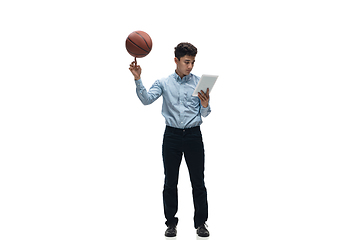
(180, 109)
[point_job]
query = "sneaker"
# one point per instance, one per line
(171, 231)
(202, 231)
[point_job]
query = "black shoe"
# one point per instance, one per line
(171, 231)
(202, 231)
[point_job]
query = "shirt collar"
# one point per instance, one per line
(185, 78)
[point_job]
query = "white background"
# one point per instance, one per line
(81, 156)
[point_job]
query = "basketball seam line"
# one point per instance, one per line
(137, 53)
(143, 39)
(138, 45)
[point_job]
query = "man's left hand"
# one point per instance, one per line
(204, 98)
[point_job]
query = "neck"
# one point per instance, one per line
(180, 75)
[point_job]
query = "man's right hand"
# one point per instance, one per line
(135, 70)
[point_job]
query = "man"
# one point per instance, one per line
(182, 135)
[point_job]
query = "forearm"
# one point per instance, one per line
(147, 97)
(141, 92)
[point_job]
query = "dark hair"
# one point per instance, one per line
(185, 48)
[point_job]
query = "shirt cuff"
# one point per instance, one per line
(204, 110)
(138, 83)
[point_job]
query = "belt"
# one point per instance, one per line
(182, 131)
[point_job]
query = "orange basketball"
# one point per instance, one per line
(138, 44)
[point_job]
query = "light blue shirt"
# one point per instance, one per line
(180, 109)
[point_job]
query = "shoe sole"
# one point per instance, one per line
(203, 236)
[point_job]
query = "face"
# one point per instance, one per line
(184, 65)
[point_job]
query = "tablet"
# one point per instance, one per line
(206, 81)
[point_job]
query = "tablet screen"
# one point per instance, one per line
(206, 81)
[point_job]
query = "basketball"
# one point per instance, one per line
(138, 44)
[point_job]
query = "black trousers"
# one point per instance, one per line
(176, 143)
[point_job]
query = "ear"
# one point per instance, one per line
(176, 60)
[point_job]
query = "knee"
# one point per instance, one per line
(170, 186)
(199, 186)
